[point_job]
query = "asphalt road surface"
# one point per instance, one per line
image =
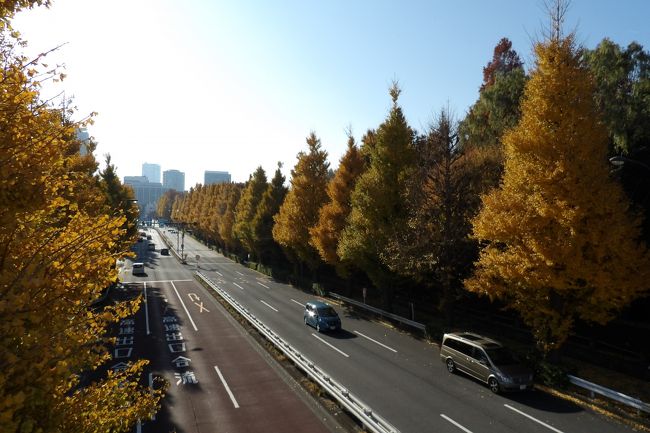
(220, 380)
(399, 376)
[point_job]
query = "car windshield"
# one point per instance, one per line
(502, 356)
(327, 312)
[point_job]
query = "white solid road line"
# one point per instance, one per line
(299, 303)
(263, 285)
(375, 341)
(534, 419)
(274, 309)
(225, 385)
(455, 423)
(146, 308)
(184, 307)
(338, 350)
(238, 286)
(153, 417)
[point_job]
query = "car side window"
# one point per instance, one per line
(450, 343)
(479, 355)
(464, 348)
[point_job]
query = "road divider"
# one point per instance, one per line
(532, 418)
(269, 305)
(375, 341)
(184, 307)
(146, 308)
(370, 420)
(332, 346)
(460, 426)
(225, 385)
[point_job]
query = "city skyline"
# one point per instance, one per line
(222, 175)
(269, 75)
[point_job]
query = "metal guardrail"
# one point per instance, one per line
(345, 398)
(392, 316)
(614, 395)
(169, 244)
(591, 387)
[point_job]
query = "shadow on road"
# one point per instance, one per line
(342, 335)
(542, 401)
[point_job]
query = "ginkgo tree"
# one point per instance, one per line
(333, 214)
(59, 241)
(299, 211)
(247, 208)
(559, 242)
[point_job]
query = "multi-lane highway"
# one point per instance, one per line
(399, 376)
(220, 380)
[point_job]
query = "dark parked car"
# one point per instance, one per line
(164, 252)
(321, 316)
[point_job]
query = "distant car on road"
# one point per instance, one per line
(138, 269)
(164, 252)
(321, 316)
(151, 247)
(486, 360)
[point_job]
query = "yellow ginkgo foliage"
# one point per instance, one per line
(59, 241)
(560, 242)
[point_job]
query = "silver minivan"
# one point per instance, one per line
(486, 360)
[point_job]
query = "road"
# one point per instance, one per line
(399, 376)
(220, 380)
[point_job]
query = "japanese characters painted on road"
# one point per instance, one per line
(181, 361)
(186, 377)
(125, 338)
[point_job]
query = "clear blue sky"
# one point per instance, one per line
(230, 85)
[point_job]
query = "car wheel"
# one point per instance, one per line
(494, 385)
(451, 367)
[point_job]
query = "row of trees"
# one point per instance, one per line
(516, 202)
(62, 227)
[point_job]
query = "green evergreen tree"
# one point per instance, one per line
(433, 246)
(378, 200)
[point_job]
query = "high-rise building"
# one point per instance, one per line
(151, 171)
(211, 177)
(174, 179)
(146, 193)
(84, 137)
